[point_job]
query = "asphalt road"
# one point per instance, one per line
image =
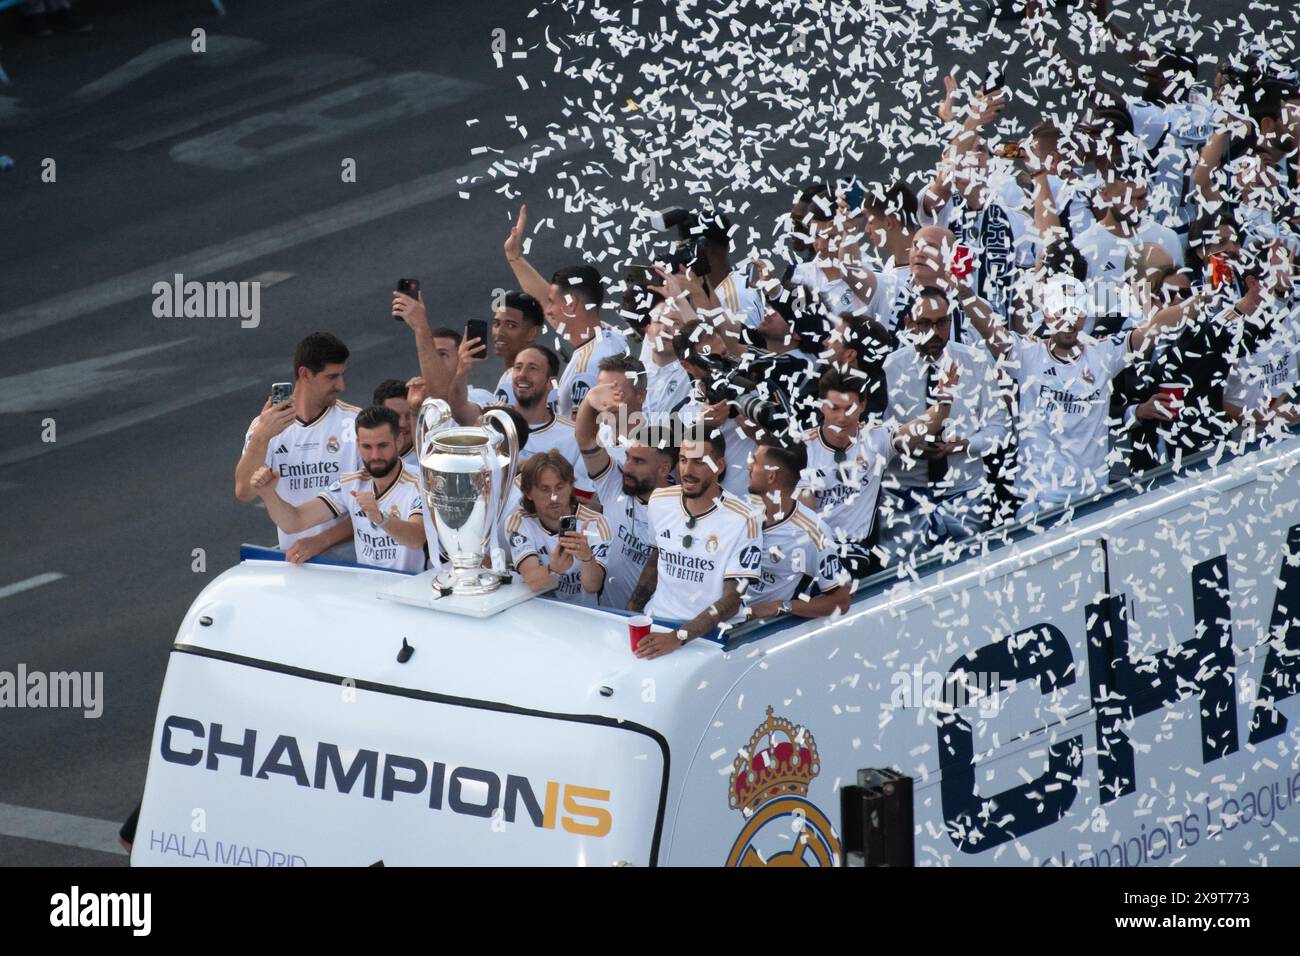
(222, 166)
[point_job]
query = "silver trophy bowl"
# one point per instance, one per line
(465, 477)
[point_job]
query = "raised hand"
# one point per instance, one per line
(514, 246)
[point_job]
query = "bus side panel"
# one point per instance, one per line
(1027, 747)
(254, 766)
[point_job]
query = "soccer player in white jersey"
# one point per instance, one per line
(1064, 386)
(395, 394)
(515, 326)
(708, 549)
(547, 556)
(847, 459)
(309, 442)
(572, 307)
(383, 501)
(797, 548)
(623, 486)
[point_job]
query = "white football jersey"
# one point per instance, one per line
(311, 456)
(739, 301)
(696, 558)
(1267, 373)
(558, 436)
(529, 538)
(374, 544)
(845, 492)
(580, 374)
(797, 551)
(630, 542)
(1064, 406)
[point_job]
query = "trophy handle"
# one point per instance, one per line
(433, 417)
(507, 426)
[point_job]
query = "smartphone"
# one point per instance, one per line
(641, 276)
(568, 524)
(281, 392)
(993, 79)
(409, 287)
(477, 329)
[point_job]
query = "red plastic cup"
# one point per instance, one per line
(963, 261)
(1173, 394)
(637, 628)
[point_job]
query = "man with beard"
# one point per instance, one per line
(623, 488)
(394, 394)
(515, 326)
(708, 549)
(383, 500)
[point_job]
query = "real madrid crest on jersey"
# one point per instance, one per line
(332, 445)
(769, 785)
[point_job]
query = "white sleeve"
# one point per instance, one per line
(334, 500)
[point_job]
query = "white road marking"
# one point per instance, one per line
(220, 51)
(371, 207)
(18, 587)
(106, 426)
(268, 279)
(57, 385)
(338, 113)
(65, 829)
(282, 79)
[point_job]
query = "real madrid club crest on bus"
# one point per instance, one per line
(769, 785)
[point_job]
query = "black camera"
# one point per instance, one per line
(727, 380)
(693, 232)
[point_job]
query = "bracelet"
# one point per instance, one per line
(590, 451)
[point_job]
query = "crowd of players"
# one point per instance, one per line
(1104, 297)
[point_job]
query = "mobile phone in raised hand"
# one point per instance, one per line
(477, 329)
(409, 287)
(281, 392)
(568, 524)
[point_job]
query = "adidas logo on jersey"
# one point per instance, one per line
(665, 534)
(282, 450)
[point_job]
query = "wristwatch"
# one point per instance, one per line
(681, 635)
(786, 607)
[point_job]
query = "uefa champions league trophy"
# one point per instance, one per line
(465, 477)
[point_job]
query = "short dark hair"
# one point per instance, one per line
(376, 416)
(1063, 257)
(448, 333)
(717, 443)
(633, 368)
(527, 305)
(835, 380)
(930, 292)
(893, 199)
(790, 458)
(584, 279)
(684, 344)
(552, 360)
(389, 388)
(318, 350)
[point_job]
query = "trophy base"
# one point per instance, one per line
(468, 582)
(421, 590)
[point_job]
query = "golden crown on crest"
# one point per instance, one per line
(778, 768)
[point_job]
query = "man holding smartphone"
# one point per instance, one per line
(309, 442)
